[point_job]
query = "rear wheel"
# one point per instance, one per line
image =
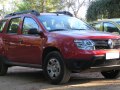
(3, 68)
(113, 74)
(55, 69)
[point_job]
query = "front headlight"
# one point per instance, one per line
(85, 44)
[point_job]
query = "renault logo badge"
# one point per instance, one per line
(110, 43)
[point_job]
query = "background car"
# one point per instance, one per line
(107, 25)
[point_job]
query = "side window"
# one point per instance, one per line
(109, 27)
(14, 25)
(97, 26)
(2, 24)
(28, 24)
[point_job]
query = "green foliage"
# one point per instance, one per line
(23, 6)
(0, 11)
(103, 9)
(39, 5)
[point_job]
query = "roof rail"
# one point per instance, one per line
(64, 12)
(34, 12)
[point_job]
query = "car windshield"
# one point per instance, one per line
(118, 22)
(63, 22)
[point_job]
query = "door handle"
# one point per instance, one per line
(20, 40)
(4, 40)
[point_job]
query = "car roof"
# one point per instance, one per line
(36, 13)
(108, 20)
(113, 19)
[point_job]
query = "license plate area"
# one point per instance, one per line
(112, 55)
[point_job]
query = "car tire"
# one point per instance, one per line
(3, 68)
(55, 69)
(113, 74)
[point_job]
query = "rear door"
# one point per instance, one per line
(2, 27)
(11, 39)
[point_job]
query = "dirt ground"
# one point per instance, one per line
(21, 78)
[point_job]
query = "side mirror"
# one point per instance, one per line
(33, 31)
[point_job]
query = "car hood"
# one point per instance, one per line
(87, 34)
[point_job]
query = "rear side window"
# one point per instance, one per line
(109, 27)
(2, 24)
(14, 25)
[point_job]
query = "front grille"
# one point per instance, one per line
(117, 42)
(103, 44)
(101, 47)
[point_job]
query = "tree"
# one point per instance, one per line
(7, 6)
(73, 5)
(2, 11)
(103, 9)
(39, 5)
(22, 6)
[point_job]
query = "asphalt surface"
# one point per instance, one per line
(21, 78)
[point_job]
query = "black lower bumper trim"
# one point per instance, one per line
(96, 61)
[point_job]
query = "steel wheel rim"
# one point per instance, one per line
(53, 68)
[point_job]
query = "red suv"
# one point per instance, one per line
(58, 43)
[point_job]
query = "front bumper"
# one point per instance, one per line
(96, 63)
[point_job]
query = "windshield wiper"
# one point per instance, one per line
(56, 30)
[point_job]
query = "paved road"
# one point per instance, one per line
(19, 78)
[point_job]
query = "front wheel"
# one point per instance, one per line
(55, 69)
(113, 74)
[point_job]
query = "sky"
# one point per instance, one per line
(7, 5)
(82, 11)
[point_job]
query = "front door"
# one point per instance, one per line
(30, 45)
